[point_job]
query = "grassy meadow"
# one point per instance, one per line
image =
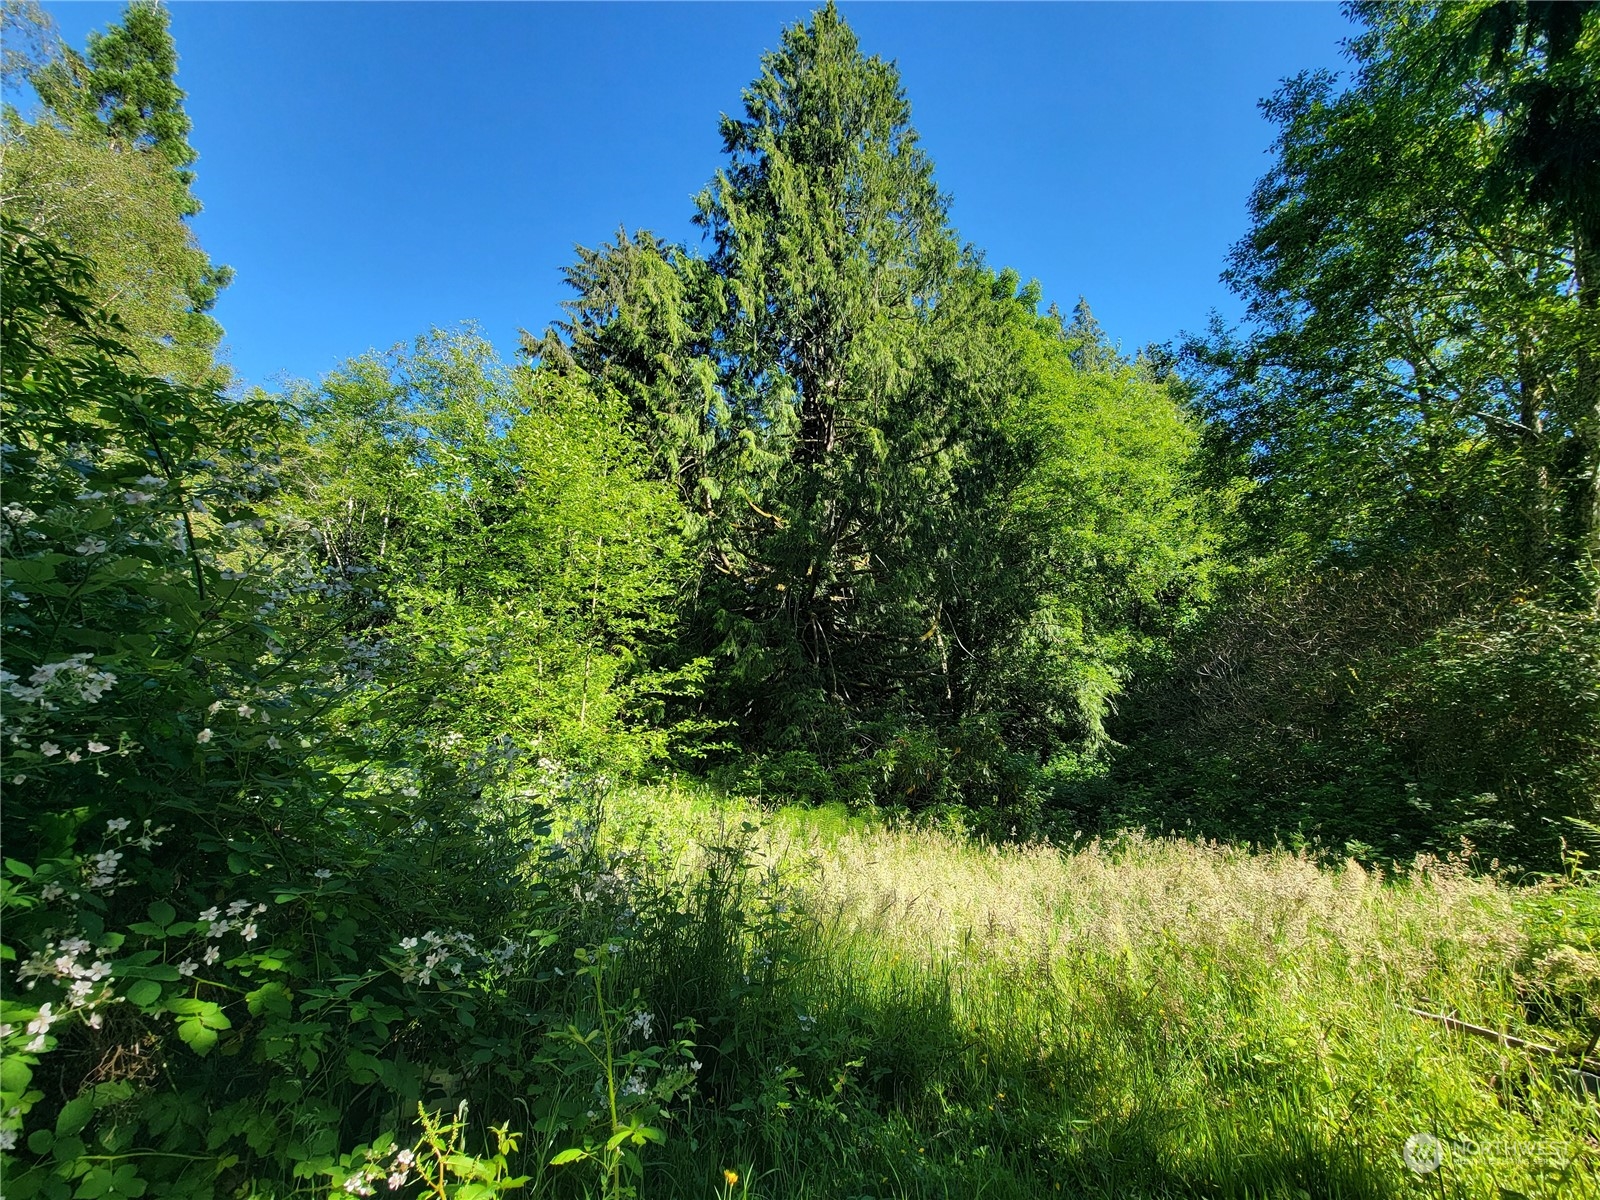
(903, 1012)
(645, 765)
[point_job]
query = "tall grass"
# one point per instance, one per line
(897, 1012)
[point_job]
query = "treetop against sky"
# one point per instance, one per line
(373, 169)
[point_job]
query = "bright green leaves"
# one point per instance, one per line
(271, 999)
(508, 525)
(1408, 421)
(105, 172)
(199, 1022)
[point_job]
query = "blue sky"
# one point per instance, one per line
(372, 169)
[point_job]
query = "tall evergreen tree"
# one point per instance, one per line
(831, 240)
(106, 170)
(904, 482)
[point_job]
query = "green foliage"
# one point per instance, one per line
(1406, 655)
(317, 880)
(185, 832)
(515, 562)
(103, 172)
(919, 508)
(126, 85)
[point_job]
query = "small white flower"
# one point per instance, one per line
(216, 707)
(211, 914)
(245, 710)
(249, 931)
(188, 966)
(115, 824)
(274, 744)
(74, 756)
(42, 1022)
(49, 749)
(91, 546)
(323, 873)
(203, 736)
(212, 954)
(97, 747)
(8, 1139)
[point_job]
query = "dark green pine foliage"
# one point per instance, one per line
(933, 527)
(831, 243)
(126, 87)
(780, 381)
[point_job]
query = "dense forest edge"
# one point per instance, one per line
(816, 721)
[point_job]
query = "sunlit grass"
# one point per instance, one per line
(930, 1017)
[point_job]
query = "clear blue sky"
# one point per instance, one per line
(371, 170)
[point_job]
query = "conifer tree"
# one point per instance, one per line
(830, 239)
(106, 170)
(909, 490)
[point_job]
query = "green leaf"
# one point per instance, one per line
(15, 1075)
(274, 999)
(34, 570)
(143, 993)
(162, 913)
(75, 1115)
(568, 1156)
(198, 1038)
(206, 1012)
